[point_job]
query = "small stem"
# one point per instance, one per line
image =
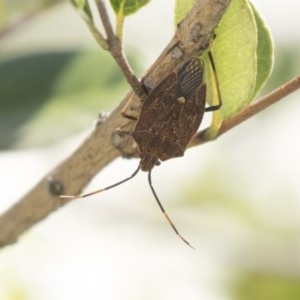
(251, 110)
(115, 48)
(105, 20)
(273, 97)
(119, 26)
(98, 36)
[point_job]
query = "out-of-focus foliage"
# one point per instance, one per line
(255, 285)
(11, 10)
(46, 96)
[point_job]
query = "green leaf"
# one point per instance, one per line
(182, 7)
(265, 58)
(234, 53)
(127, 7)
(243, 55)
(84, 6)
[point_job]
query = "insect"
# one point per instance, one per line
(170, 117)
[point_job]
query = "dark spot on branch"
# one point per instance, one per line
(55, 187)
(195, 34)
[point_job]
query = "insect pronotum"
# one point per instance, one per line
(170, 117)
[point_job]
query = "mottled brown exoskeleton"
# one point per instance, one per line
(169, 118)
(171, 115)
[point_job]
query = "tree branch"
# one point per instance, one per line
(115, 49)
(192, 37)
(251, 110)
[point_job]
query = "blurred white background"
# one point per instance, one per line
(236, 199)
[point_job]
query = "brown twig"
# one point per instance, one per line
(192, 37)
(251, 110)
(115, 48)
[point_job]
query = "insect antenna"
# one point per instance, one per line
(165, 213)
(100, 190)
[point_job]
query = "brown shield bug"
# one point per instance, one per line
(170, 117)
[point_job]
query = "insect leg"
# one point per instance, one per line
(131, 109)
(100, 190)
(165, 213)
(121, 132)
(127, 116)
(218, 106)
